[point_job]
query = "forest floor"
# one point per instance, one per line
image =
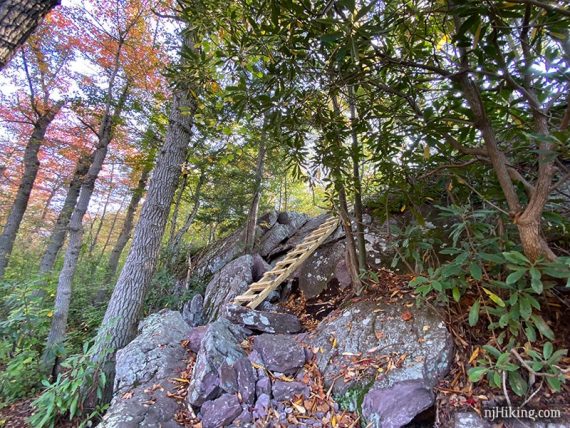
(454, 393)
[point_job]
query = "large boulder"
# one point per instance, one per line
(221, 345)
(415, 340)
(263, 321)
(287, 224)
(229, 282)
(143, 369)
(319, 269)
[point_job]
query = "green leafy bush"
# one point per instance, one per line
(66, 395)
(504, 289)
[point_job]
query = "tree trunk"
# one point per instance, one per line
(57, 237)
(351, 256)
(63, 294)
(127, 225)
(254, 207)
(358, 209)
(18, 20)
(31, 167)
(176, 209)
(119, 323)
(191, 216)
(103, 214)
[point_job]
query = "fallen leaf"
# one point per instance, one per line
(407, 315)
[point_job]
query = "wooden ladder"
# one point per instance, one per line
(258, 291)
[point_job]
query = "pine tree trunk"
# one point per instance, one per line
(119, 323)
(254, 207)
(31, 167)
(127, 226)
(18, 20)
(57, 236)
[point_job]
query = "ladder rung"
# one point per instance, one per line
(258, 287)
(245, 298)
(284, 262)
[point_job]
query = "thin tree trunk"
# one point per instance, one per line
(127, 225)
(57, 236)
(103, 214)
(176, 209)
(63, 294)
(352, 258)
(119, 323)
(254, 207)
(192, 215)
(358, 209)
(31, 167)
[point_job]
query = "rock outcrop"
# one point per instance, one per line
(415, 340)
(253, 363)
(143, 369)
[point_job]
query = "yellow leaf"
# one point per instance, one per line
(50, 314)
(403, 208)
(474, 355)
(450, 187)
(445, 39)
(494, 298)
(427, 153)
(334, 422)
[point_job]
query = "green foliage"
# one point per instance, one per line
(66, 395)
(351, 400)
(505, 289)
(25, 321)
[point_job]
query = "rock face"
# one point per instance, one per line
(264, 321)
(422, 345)
(287, 224)
(315, 274)
(143, 368)
(192, 312)
(220, 345)
(232, 280)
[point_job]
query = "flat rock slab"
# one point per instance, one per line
(143, 369)
(398, 405)
(279, 352)
(373, 328)
(264, 321)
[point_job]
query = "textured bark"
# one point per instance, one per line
(119, 323)
(31, 167)
(63, 294)
(254, 207)
(174, 218)
(127, 226)
(18, 20)
(57, 236)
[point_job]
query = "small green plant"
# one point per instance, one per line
(504, 289)
(351, 400)
(65, 396)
